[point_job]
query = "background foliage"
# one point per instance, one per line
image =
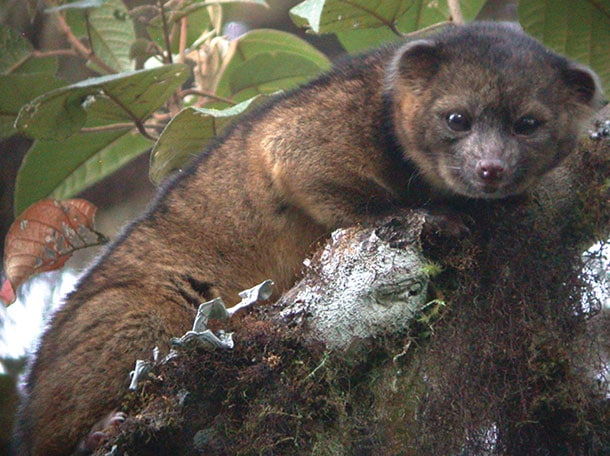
(171, 75)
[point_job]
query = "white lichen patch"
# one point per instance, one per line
(359, 287)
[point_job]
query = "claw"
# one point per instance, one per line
(100, 433)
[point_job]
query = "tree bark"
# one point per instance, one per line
(397, 341)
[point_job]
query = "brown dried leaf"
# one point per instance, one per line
(44, 237)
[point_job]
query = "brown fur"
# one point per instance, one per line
(362, 140)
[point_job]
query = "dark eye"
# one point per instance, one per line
(526, 125)
(458, 121)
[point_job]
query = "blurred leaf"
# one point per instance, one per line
(13, 49)
(112, 34)
(17, 90)
(32, 7)
(332, 16)
(22, 78)
(82, 4)
(366, 38)
(62, 169)
(362, 24)
(265, 61)
(100, 101)
(44, 237)
(270, 72)
(471, 8)
(579, 29)
(187, 134)
(15, 55)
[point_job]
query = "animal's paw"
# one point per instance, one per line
(101, 432)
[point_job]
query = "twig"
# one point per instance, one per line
(138, 122)
(183, 33)
(168, 43)
(456, 12)
(35, 54)
(111, 127)
(428, 29)
(79, 47)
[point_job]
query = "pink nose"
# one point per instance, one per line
(490, 170)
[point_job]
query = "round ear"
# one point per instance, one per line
(415, 61)
(585, 84)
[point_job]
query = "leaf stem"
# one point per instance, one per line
(36, 54)
(111, 127)
(168, 44)
(390, 25)
(79, 47)
(138, 122)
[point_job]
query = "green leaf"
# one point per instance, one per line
(100, 101)
(308, 14)
(426, 14)
(62, 169)
(16, 52)
(333, 16)
(579, 29)
(361, 24)
(471, 8)
(13, 49)
(82, 4)
(112, 33)
(186, 135)
(268, 73)
(265, 61)
(17, 90)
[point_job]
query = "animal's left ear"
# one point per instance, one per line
(586, 85)
(414, 65)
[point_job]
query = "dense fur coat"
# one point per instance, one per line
(479, 111)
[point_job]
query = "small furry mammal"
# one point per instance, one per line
(479, 111)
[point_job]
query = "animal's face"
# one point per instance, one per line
(484, 111)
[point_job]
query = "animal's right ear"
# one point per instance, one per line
(415, 62)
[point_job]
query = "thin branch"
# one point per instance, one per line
(428, 29)
(79, 47)
(183, 36)
(168, 43)
(53, 53)
(456, 12)
(138, 122)
(35, 54)
(111, 127)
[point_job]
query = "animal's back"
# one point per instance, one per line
(400, 126)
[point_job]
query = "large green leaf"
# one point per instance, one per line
(17, 90)
(361, 24)
(332, 16)
(16, 55)
(100, 101)
(265, 61)
(579, 29)
(112, 34)
(61, 169)
(187, 134)
(13, 49)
